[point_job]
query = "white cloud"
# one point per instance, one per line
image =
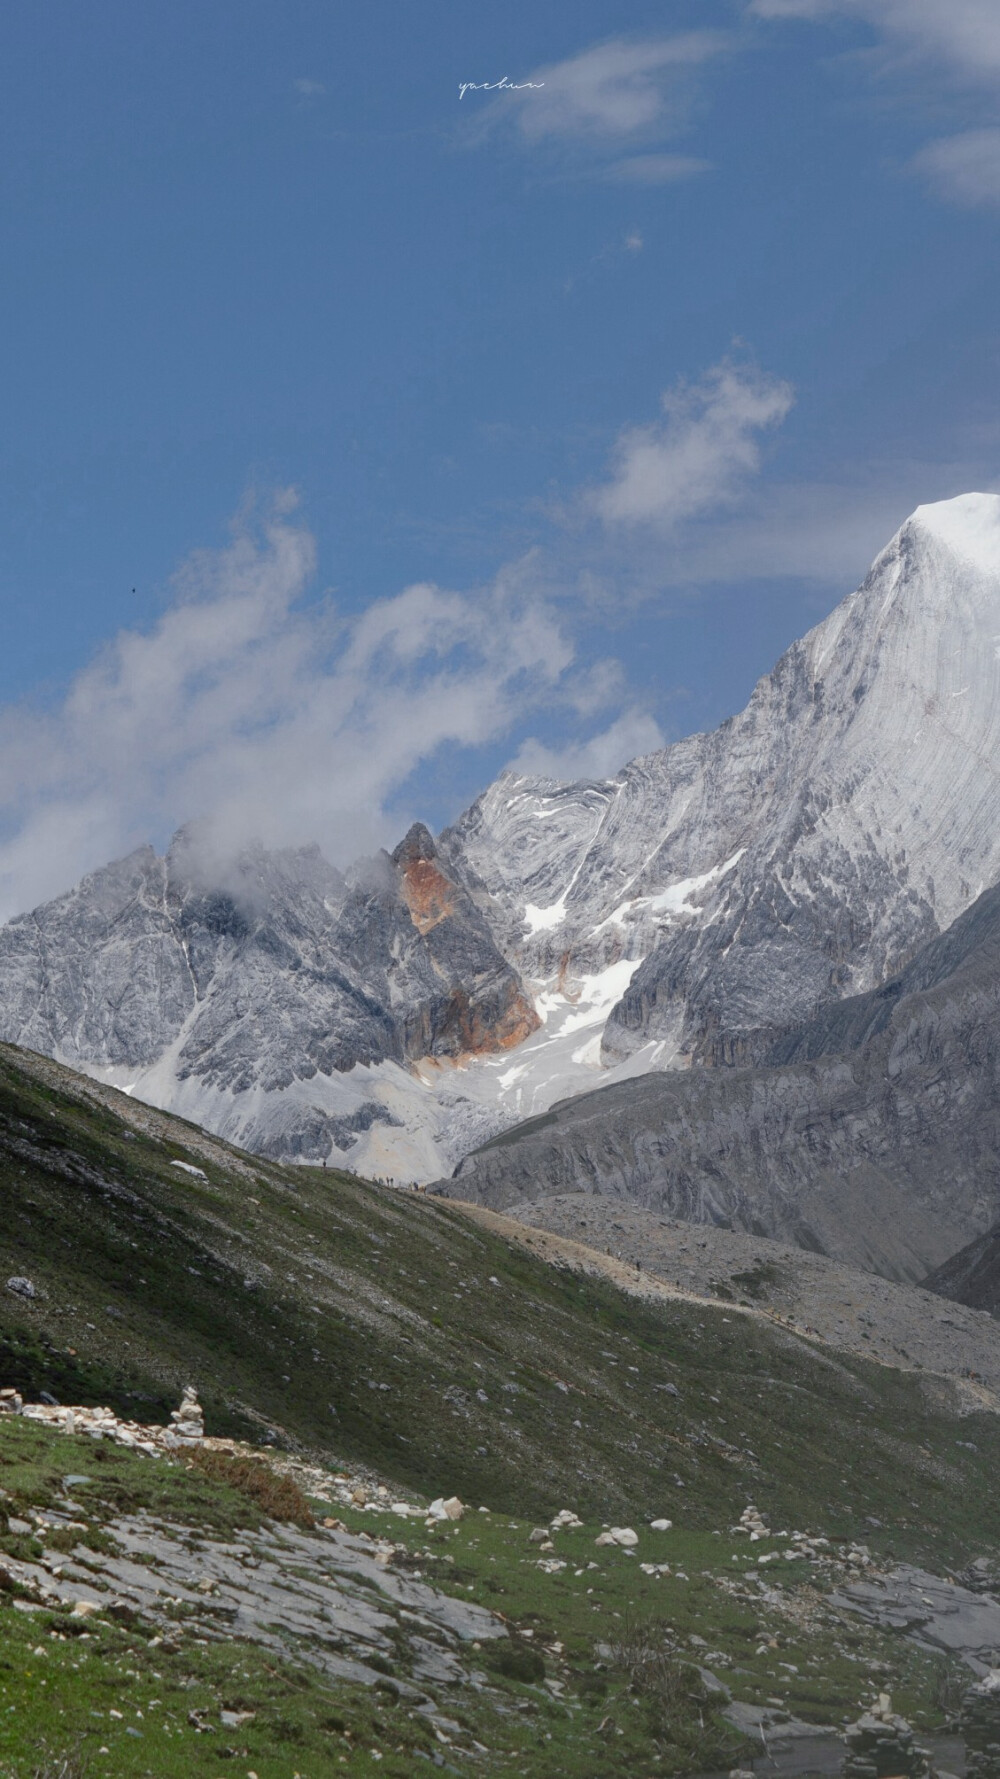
(955, 44)
(263, 717)
(310, 89)
(613, 90)
(699, 455)
(632, 734)
(965, 168)
(965, 34)
(622, 95)
(823, 533)
(655, 169)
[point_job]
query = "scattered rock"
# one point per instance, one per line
(188, 1420)
(979, 1723)
(660, 1525)
(21, 1287)
(452, 1509)
(566, 1521)
(753, 1522)
(881, 1745)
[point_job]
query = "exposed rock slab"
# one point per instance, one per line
(885, 1155)
(935, 1612)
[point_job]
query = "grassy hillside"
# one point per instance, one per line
(597, 1676)
(394, 1334)
(384, 1329)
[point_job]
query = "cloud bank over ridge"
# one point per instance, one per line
(264, 716)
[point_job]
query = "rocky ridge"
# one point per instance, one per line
(240, 1001)
(957, 1347)
(873, 1138)
(972, 1276)
(695, 907)
(804, 849)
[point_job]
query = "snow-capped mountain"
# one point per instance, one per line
(802, 850)
(559, 935)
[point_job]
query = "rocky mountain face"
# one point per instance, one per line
(694, 909)
(798, 853)
(288, 973)
(873, 1137)
(972, 1276)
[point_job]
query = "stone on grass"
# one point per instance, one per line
(450, 1509)
(188, 1421)
(881, 1745)
(21, 1287)
(979, 1723)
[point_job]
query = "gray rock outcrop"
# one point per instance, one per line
(883, 1153)
(802, 851)
(287, 973)
(693, 909)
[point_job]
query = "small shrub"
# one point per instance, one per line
(62, 1766)
(759, 1280)
(670, 1688)
(277, 1496)
(284, 1729)
(592, 1686)
(517, 1661)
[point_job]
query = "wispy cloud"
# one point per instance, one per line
(632, 734)
(263, 716)
(953, 43)
(310, 89)
(699, 455)
(615, 89)
(655, 169)
(622, 95)
(964, 168)
(964, 35)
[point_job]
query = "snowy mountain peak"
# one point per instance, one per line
(969, 525)
(687, 910)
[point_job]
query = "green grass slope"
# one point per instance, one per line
(598, 1677)
(384, 1329)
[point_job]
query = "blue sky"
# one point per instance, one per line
(593, 394)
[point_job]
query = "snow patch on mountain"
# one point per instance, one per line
(705, 898)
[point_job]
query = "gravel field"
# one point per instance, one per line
(857, 1312)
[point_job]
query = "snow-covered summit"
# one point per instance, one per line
(804, 848)
(681, 911)
(969, 525)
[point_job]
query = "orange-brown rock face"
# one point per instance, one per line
(472, 1001)
(480, 1030)
(428, 894)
